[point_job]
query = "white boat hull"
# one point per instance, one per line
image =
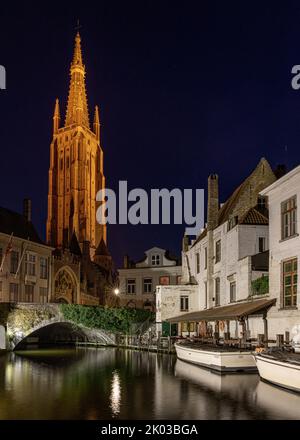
(284, 374)
(217, 360)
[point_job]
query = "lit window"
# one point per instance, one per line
(288, 218)
(290, 279)
(131, 286)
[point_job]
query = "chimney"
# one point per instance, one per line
(185, 243)
(280, 170)
(27, 209)
(212, 202)
(126, 263)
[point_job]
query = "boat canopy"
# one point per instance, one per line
(237, 311)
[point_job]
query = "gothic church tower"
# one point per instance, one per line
(76, 167)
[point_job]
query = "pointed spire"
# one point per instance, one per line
(96, 125)
(77, 58)
(77, 108)
(56, 117)
(102, 249)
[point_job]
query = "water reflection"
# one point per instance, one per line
(109, 383)
(115, 397)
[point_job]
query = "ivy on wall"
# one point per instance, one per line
(260, 286)
(116, 320)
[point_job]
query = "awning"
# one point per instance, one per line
(235, 311)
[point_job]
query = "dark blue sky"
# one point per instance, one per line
(184, 88)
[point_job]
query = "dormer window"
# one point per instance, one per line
(155, 260)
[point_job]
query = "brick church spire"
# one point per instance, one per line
(76, 171)
(77, 108)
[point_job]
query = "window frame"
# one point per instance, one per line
(13, 295)
(293, 285)
(198, 262)
(217, 291)
(262, 240)
(147, 281)
(288, 217)
(231, 284)
(184, 303)
(131, 282)
(14, 262)
(43, 268)
(218, 254)
(155, 260)
(30, 264)
(29, 296)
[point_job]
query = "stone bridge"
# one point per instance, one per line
(44, 324)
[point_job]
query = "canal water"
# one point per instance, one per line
(108, 383)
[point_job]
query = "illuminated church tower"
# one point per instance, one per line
(76, 167)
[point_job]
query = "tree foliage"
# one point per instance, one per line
(116, 320)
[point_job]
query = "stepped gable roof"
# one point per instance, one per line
(13, 222)
(253, 217)
(102, 249)
(227, 208)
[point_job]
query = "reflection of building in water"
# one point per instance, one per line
(64, 376)
(115, 396)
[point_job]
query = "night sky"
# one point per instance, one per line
(184, 88)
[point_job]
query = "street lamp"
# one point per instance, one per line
(116, 291)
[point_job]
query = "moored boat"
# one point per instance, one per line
(280, 368)
(218, 358)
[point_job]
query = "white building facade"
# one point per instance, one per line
(284, 242)
(228, 261)
(138, 280)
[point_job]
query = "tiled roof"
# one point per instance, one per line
(254, 217)
(227, 208)
(13, 222)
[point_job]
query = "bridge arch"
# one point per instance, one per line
(57, 331)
